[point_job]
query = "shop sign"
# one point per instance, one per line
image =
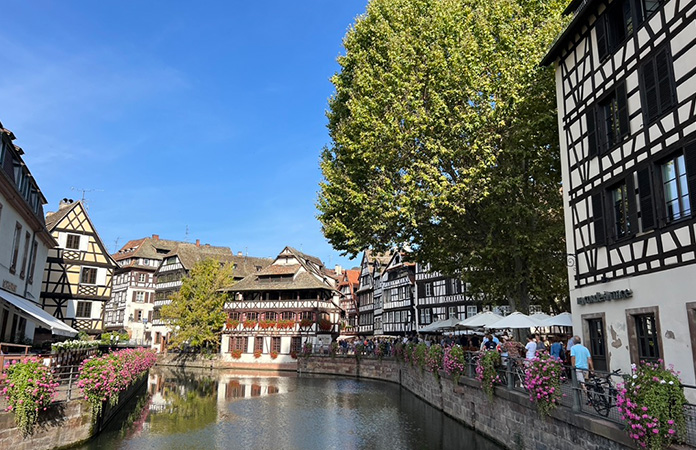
(606, 296)
(9, 286)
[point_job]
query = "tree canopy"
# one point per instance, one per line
(196, 313)
(444, 138)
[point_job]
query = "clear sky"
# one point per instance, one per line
(191, 120)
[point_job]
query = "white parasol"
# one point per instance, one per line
(561, 320)
(517, 320)
(484, 319)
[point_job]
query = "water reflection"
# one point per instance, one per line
(225, 410)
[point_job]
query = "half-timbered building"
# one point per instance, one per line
(349, 282)
(398, 295)
(439, 297)
(371, 267)
(24, 245)
(626, 95)
(78, 273)
(133, 294)
(274, 312)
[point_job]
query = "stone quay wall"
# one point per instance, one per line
(63, 424)
(194, 360)
(509, 419)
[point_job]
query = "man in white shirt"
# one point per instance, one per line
(531, 347)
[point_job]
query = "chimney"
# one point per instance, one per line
(155, 237)
(338, 269)
(198, 242)
(240, 254)
(65, 203)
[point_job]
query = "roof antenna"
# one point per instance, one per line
(186, 236)
(83, 190)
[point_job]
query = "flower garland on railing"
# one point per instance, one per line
(102, 378)
(543, 379)
(487, 372)
(267, 324)
(29, 389)
(454, 362)
(73, 345)
(434, 359)
(652, 403)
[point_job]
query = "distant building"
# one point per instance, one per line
(371, 267)
(398, 295)
(349, 281)
(626, 95)
(24, 245)
(133, 295)
(439, 297)
(177, 264)
(278, 309)
(78, 273)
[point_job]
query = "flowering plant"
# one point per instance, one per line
(454, 361)
(249, 324)
(29, 389)
(652, 403)
(232, 324)
(543, 379)
(434, 359)
(236, 353)
(267, 324)
(408, 352)
(102, 378)
(293, 354)
(307, 349)
(397, 351)
(274, 354)
(257, 354)
(486, 371)
(73, 345)
(324, 324)
(359, 351)
(419, 355)
(333, 349)
(306, 323)
(285, 324)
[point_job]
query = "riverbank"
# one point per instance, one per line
(509, 418)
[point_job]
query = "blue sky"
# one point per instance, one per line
(207, 116)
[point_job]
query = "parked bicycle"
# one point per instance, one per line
(602, 392)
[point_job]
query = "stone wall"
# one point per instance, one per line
(194, 360)
(509, 418)
(63, 424)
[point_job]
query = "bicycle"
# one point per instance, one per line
(601, 393)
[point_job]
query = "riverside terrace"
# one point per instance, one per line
(600, 416)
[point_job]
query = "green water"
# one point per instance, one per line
(241, 410)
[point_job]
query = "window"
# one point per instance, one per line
(84, 309)
(89, 275)
(425, 316)
(295, 344)
(675, 189)
(73, 241)
(141, 277)
(471, 311)
(258, 344)
(32, 263)
(428, 289)
(597, 343)
(25, 255)
(15, 247)
(657, 85)
(239, 343)
(252, 316)
(646, 337)
(613, 26)
(287, 315)
(619, 201)
(440, 288)
(139, 296)
(270, 315)
(275, 344)
(308, 315)
(233, 315)
(613, 113)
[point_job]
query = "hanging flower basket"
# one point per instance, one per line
(249, 324)
(324, 325)
(232, 324)
(257, 354)
(267, 324)
(236, 354)
(274, 354)
(305, 323)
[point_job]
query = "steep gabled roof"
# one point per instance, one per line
(145, 248)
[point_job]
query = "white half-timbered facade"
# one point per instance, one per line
(398, 295)
(439, 297)
(626, 95)
(349, 281)
(275, 311)
(24, 245)
(78, 273)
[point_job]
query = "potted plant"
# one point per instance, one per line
(232, 324)
(249, 324)
(274, 354)
(257, 354)
(305, 323)
(236, 353)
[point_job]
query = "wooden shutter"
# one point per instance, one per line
(622, 103)
(690, 161)
(632, 208)
(592, 148)
(601, 32)
(598, 219)
(134, 293)
(650, 90)
(645, 196)
(664, 80)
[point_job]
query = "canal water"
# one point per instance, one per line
(242, 410)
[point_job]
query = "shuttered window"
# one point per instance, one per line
(645, 195)
(598, 219)
(657, 85)
(675, 189)
(613, 26)
(613, 115)
(592, 148)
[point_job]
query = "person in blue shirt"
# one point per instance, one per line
(557, 349)
(581, 361)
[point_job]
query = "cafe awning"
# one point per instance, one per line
(55, 325)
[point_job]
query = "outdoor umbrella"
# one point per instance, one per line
(485, 319)
(440, 325)
(561, 320)
(540, 317)
(516, 320)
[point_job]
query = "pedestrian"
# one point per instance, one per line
(571, 342)
(581, 361)
(531, 347)
(557, 349)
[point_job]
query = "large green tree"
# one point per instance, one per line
(444, 138)
(196, 313)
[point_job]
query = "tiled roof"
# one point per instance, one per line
(145, 248)
(279, 269)
(52, 218)
(247, 265)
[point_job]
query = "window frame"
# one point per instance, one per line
(658, 60)
(69, 238)
(80, 307)
(85, 275)
(679, 178)
(634, 342)
(17, 238)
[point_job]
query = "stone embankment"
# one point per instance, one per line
(194, 360)
(64, 424)
(509, 418)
